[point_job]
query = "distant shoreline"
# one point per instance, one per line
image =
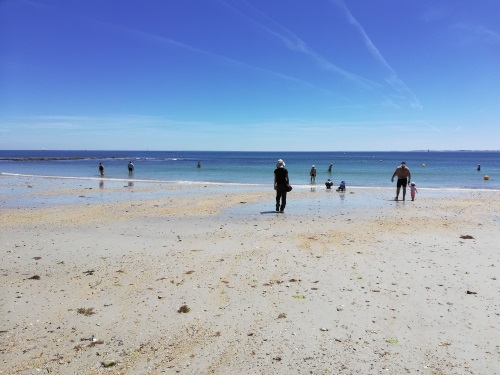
(231, 151)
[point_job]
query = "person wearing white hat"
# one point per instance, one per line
(280, 185)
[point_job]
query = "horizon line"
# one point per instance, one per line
(187, 150)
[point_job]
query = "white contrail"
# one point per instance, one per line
(295, 44)
(392, 78)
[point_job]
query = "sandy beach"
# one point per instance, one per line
(197, 279)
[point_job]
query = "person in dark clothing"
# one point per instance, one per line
(280, 185)
(101, 169)
(404, 178)
(312, 173)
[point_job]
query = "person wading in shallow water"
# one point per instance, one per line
(404, 177)
(101, 169)
(312, 173)
(280, 185)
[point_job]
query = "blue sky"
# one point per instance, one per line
(284, 75)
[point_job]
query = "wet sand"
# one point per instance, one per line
(208, 280)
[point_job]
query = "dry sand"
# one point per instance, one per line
(211, 281)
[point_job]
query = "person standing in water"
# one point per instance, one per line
(280, 185)
(130, 167)
(312, 173)
(101, 169)
(404, 177)
(330, 168)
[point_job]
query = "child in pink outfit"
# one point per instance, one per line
(413, 190)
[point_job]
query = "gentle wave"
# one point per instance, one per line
(40, 159)
(86, 178)
(211, 183)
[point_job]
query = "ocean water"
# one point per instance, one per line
(430, 169)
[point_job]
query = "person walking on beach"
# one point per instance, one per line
(413, 190)
(312, 173)
(101, 169)
(404, 177)
(130, 167)
(280, 185)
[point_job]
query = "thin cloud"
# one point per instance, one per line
(167, 41)
(392, 78)
(490, 36)
(486, 35)
(355, 106)
(101, 123)
(435, 13)
(388, 103)
(9, 127)
(432, 127)
(326, 125)
(152, 38)
(295, 44)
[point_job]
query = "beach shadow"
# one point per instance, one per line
(270, 212)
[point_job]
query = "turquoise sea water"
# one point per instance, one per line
(430, 169)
